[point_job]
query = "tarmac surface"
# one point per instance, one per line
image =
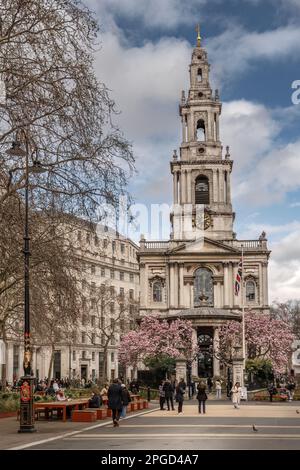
(222, 427)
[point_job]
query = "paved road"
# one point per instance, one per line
(221, 428)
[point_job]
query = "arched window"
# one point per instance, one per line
(203, 288)
(250, 291)
(199, 75)
(201, 190)
(201, 131)
(157, 291)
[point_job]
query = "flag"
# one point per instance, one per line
(238, 278)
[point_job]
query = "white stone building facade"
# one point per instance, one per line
(107, 258)
(193, 274)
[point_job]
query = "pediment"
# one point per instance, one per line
(204, 245)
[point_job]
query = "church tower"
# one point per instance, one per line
(201, 176)
(193, 274)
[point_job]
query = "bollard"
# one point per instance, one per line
(148, 393)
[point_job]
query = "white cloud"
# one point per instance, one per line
(165, 14)
(284, 267)
(236, 49)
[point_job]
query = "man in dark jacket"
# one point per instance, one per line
(115, 401)
(180, 390)
(168, 389)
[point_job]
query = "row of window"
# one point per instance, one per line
(203, 289)
(105, 243)
(85, 356)
(112, 273)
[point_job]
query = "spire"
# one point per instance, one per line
(198, 35)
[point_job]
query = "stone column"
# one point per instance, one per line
(216, 349)
(191, 286)
(215, 186)
(176, 284)
(228, 188)
(181, 286)
(143, 285)
(265, 284)
(183, 199)
(183, 129)
(217, 299)
(189, 187)
(195, 362)
(191, 128)
(221, 185)
(237, 371)
(171, 285)
(175, 188)
(181, 369)
(261, 285)
(217, 127)
(226, 284)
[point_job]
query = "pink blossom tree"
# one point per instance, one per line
(266, 338)
(157, 338)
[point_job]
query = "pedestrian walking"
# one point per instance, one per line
(180, 391)
(162, 397)
(201, 397)
(168, 389)
(236, 395)
(272, 391)
(209, 384)
(115, 401)
(126, 399)
(218, 389)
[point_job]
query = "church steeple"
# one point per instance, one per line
(201, 174)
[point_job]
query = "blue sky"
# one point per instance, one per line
(253, 48)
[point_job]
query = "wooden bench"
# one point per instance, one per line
(84, 416)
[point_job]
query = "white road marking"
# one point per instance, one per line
(73, 433)
(182, 436)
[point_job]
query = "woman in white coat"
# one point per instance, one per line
(236, 395)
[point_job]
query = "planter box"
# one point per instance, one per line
(134, 406)
(140, 405)
(109, 412)
(101, 413)
(84, 416)
(128, 408)
(8, 414)
(145, 404)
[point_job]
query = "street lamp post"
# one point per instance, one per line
(27, 381)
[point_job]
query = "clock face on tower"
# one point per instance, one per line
(203, 221)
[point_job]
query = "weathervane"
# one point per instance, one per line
(198, 35)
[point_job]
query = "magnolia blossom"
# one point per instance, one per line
(155, 338)
(265, 337)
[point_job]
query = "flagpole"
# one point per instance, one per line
(243, 310)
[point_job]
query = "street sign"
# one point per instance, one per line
(243, 393)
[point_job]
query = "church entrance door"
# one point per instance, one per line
(205, 356)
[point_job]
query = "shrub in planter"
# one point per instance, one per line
(9, 405)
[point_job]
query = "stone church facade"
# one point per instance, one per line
(192, 275)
